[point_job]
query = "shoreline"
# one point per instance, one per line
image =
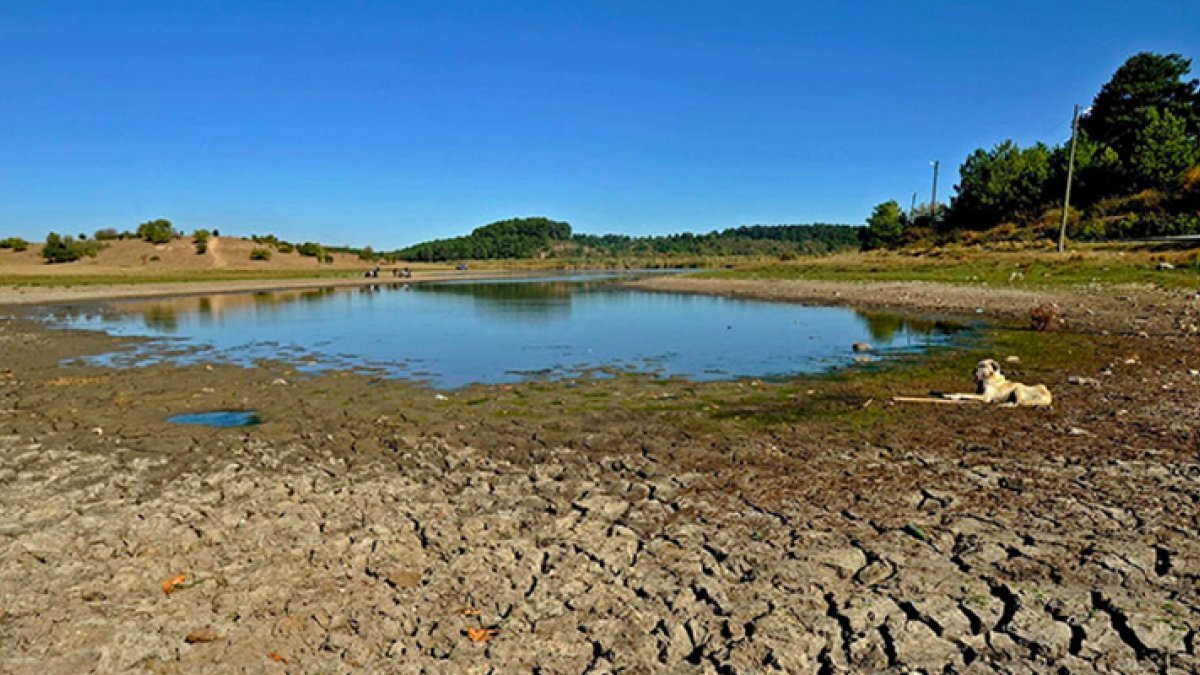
(1128, 308)
(35, 295)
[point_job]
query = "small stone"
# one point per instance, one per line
(1193, 372)
(1076, 431)
(1081, 381)
(440, 397)
(279, 381)
(1163, 266)
(201, 635)
(98, 431)
(404, 579)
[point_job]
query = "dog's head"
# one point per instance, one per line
(985, 370)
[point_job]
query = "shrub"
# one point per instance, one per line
(156, 231)
(59, 249)
(15, 243)
(107, 234)
(285, 247)
(311, 249)
(200, 239)
(327, 258)
(1045, 318)
(260, 253)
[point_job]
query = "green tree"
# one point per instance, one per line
(1163, 150)
(60, 249)
(156, 231)
(1145, 81)
(1004, 184)
(884, 227)
(200, 239)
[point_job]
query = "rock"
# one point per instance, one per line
(1084, 381)
(201, 635)
(1076, 431)
(1163, 266)
(1012, 359)
(861, 347)
(279, 382)
(404, 579)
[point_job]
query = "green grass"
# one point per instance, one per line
(995, 269)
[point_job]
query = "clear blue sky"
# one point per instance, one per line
(386, 123)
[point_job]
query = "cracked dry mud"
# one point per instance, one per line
(598, 526)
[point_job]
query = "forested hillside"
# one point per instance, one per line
(540, 237)
(1136, 172)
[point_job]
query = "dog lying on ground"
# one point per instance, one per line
(993, 387)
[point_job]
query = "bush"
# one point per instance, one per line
(59, 249)
(259, 253)
(285, 247)
(327, 258)
(15, 243)
(200, 239)
(156, 231)
(311, 249)
(107, 234)
(1045, 318)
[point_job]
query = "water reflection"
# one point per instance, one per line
(456, 333)
(886, 327)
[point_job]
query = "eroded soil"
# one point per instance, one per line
(605, 525)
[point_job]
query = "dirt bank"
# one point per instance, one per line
(603, 525)
(1101, 307)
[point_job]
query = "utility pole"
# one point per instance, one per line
(1062, 230)
(933, 200)
(912, 209)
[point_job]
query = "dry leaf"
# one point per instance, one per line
(482, 635)
(470, 611)
(276, 658)
(171, 585)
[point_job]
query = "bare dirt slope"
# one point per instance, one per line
(180, 254)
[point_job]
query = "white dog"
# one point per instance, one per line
(993, 387)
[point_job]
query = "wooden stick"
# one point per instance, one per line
(923, 399)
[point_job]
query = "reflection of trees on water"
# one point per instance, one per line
(543, 300)
(161, 318)
(885, 327)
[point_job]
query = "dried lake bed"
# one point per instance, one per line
(633, 521)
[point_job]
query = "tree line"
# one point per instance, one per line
(1136, 172)
(524, 238)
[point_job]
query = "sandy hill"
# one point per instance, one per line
(224, 253)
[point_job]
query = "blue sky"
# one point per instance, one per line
(386, 123)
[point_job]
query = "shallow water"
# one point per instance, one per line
(221, 419)
(456, 333)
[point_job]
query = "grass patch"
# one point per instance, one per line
(1013, 269)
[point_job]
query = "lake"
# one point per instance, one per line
(451, 334)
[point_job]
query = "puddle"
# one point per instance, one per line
(222, 419)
